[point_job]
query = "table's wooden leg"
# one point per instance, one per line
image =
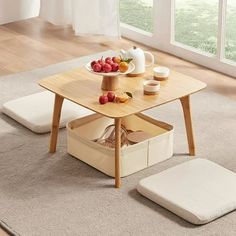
(117, 152)
(55, 122)
(185, 101)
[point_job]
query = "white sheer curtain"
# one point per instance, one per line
(96, 17)
(15, 10)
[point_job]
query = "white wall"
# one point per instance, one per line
(14, 10)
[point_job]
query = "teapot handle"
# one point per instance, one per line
(151, 56)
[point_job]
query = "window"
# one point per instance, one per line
(230, 30)
(137, 13)
(200, 31)
(196, 24)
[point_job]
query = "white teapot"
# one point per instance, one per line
(138, 56)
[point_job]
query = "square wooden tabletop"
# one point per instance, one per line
(84, 88)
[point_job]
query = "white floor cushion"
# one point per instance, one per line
(198, 190)
(35, 111)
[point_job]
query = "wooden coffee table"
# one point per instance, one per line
(84, 88)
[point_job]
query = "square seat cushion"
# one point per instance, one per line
(35, 111)
(198, 190)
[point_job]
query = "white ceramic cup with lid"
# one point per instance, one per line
(151, 87)
(161, 73)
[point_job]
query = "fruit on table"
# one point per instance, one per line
(116, 60)
(107, 68)
(103, 99)
(113, 64)
(100, 61)
(122, 98)
(115, 67)
(93, 63)
(111, 96)
(123, 66)
(108, 60)
(97, 67)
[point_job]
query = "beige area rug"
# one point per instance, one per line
(59, 195)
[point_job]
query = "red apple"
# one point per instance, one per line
(97, 67)
(92, 63)
(100, 61)
(107, 68)
(103, 99)
(115, 67)
(110, 96)
(108, 60)
(102, 65)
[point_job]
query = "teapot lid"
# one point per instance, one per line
(135, 51)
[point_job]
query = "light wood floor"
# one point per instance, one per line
(33, 43)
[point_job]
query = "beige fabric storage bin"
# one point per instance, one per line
(133, 158)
